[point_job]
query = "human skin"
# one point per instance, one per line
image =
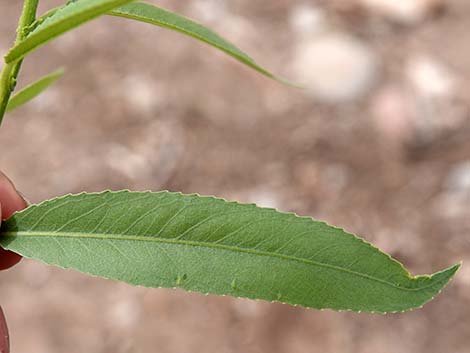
(10, 202)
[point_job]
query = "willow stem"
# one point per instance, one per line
(10, 71)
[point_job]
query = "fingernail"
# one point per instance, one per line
(28, 203)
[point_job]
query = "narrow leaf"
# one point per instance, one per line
(212, 246)
(64, 19)
(33, 90)
(158, 16)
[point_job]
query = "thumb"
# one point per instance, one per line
(10, 202)
(10, 198)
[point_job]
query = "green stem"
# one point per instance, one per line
(10, 72)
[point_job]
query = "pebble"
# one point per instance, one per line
(123, 310)
(248, 308)
(306, 19)
(208, 11)
(151, 153)
(403, 11)
(436, 89)
(336, 177)
(216, 15)
(123, 159)
(454, 201)
(393, 113)
(429, 77)
(335, 67)
(264, 198)
(142, 93)
(458, 179)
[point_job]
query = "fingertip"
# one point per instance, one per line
(10, 202)
(8, 259)
(10, 198)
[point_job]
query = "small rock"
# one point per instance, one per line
(142, 93)
(153, 152)
(336, 67)
(123, 312)
(306, 20)
(429, 77)
(394, 113)
(454, 201)
(209, 11)
(124, 160)
(437, 95)
(248, 308)
(336, 176)
(458, 179)
(264, 198)
(404, 11)
(215, 13)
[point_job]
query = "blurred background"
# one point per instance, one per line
(378, 143)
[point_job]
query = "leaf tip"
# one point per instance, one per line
(446, 274)
(439, 280)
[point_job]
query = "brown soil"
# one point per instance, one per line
(143, 108)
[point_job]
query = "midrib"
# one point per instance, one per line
(130, 237)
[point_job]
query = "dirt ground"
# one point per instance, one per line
(383, 151)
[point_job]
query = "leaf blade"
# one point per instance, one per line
(31, 91)
(213, 246)
(63, 20)
(148, 13)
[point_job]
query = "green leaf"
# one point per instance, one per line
(149, 13)
(33, 90)
(64, 19)
(212, 246)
